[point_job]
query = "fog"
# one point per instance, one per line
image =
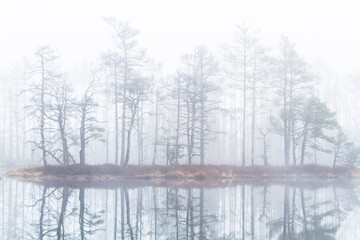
(322, 30)
(179, 119)
(323, 36)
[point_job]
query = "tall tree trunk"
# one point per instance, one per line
(253, 121)
(141, 159)
(10, 131)
(202, 135)
(107, 136)
(253, 127)
(82, 138)
(202, 114)
(265, 148)
(124, 111)
(24, 130)
(117, 119)
(17, 130)
(140, 123)
(177, 122)
(188, 120)
(244, 99)
(291, 117)
(4, 127)
(285, 118)
(192, 132)
(285, 132)
(64, 143)
(244, 118)
(128, 147)
(303, 145)
(336, 152)
(293, 141)
(62, 127)
(42, 110)
(156, 126)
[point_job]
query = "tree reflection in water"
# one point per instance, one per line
(236, 212)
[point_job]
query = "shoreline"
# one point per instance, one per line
(186, 176)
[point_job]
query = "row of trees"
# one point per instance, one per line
(249, 95)
(51, 105)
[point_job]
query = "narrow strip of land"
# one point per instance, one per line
(186, 171)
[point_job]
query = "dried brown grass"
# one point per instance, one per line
(186, 171)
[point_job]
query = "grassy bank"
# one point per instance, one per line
(186, 171)
(184, 176)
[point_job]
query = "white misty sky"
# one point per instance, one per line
(323, 30)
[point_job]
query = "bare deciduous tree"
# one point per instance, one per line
(43, 75)
(131, 57)
(89, 126)
(241, 54)
(137, 91)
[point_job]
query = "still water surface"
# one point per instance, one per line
(251, 211)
